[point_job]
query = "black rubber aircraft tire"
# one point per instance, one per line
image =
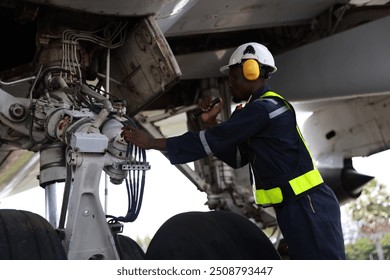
(27, 236)
(129, 249)
(218, 235)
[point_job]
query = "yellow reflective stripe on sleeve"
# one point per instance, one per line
(268, 197)
(306, 181)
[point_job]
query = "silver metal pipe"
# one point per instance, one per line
(16, 82)
(51, 204)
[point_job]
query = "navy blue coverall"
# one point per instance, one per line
(264, 134)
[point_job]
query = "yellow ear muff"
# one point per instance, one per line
(251, 69)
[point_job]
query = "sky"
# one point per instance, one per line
(167, 193)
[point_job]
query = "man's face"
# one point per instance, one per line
(239, 86)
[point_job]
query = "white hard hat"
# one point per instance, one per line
(251, 51)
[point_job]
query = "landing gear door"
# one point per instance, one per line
(144, 67)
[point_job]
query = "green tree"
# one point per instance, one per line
(362, 249)
(372, 213)
(386, 246)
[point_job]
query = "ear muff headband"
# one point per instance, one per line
(251, 69)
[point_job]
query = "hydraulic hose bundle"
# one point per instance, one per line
(136, 167)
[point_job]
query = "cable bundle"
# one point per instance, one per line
(136, 166)
(135, 182)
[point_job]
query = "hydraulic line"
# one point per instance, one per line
(136, 166)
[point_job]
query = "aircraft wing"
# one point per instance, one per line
(332, 58)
